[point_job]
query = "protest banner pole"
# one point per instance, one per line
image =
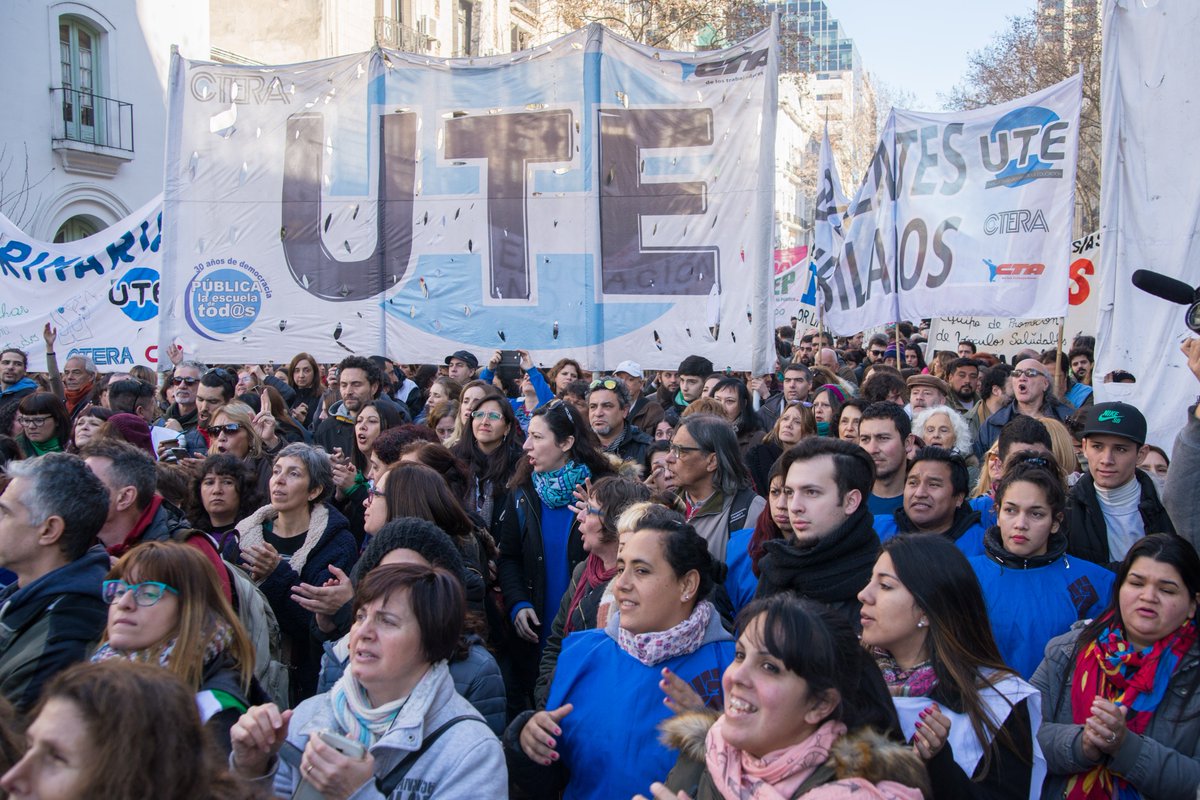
(1058, 351)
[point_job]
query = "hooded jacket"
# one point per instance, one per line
(49, 625)
(18, 390)
(1032, 600)
(1087, 531)
(465, 763)
(833, 571)
(965, 530)
(989, 431)
(862, 764)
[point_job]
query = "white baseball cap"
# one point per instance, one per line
(631, 368)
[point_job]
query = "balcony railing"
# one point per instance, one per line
(398, 36)
(91, 119)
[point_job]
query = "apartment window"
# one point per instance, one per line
(79, 57)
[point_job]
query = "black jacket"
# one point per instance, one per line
(633, 445)
(521, 566)
(1087, 532)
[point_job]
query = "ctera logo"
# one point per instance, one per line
(1025, 145)
(746, 62)
(1013, 271)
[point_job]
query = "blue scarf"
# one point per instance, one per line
(557, 488)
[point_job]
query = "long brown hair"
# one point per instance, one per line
(415, 490)
(201, 603)
(316, 368)
(144, 732)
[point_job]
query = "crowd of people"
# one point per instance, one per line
(882, 571)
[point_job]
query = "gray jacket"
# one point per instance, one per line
(1162, 764)
(1180, 497)
(466, 762)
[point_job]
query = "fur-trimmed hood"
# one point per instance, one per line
(862, 753)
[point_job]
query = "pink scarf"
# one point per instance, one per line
(776, 776)
(656, 647)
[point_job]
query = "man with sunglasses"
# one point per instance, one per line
(52, 614)
(608, 409)
(1031, 397)
(182, 415)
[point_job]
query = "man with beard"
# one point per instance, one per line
(608, 407)
(797, 383)
(14, 384)
(963, 377)
(182, 414)
(885, 433)
(359, 382)
(1031, 397)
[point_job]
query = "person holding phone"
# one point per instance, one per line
(393, 719)
(516, 366)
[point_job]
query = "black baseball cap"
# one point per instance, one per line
(465, 356)
(1116, 419)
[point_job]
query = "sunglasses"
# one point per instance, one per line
(1028, 373)
(564, 405)
(145, 594)
(185, 381)
(604, 383)
(231, 428)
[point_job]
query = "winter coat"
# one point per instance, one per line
(49, 625)
(862, 764)
(1180, 497)
(583, 618)
(521, 568)
(759, 460)
(18, 390)
(336, 431)
(476, 677)
(965, 531)
(717, 518)
(465, 763)
(1087, 531)
(645, 413)
(609, 745)
(222, 699)
(989, 431)
(633, 444)
(1163, 763)
(740, 581)
(1032, 600)
(335, 546)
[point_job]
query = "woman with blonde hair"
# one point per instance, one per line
(166, 607)
(236, 430)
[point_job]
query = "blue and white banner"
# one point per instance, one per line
(591, 198)
(963, 214)
(101, 293)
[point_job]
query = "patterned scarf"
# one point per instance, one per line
(656, 647)
(354, 714)
(738, 775)
(1111, 668)
(557, 488)
(916, 682)
(220, 638)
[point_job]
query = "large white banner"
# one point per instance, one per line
(1150, 190)
(1010, 335)
(967, 214)
(102, 293)
(591, 198)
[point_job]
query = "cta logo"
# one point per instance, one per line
(136, 294)
(224, 301)
(746, 62)
(1020, 220)
(1013, 271)
(1024, 146)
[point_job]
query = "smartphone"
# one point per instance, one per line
(177, 453)
(350, 748)
(509, 367)
(291, 754)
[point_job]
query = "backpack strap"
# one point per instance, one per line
(740, 509)
(388, 783)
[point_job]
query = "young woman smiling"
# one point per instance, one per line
(1033, 590)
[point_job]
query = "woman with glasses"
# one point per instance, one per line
(539, 548)
(1033, 591)
(472, 392)
(45, 424)
(296, 539)
(600, 507)
(491, 445)
(166, 608)
(223, 494)
(969, 716)
(1121, 695)
(598, 737)
(794, 424)
(237, 431)
(120, 730)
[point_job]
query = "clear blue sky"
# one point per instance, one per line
(922, 45)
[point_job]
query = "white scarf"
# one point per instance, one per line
(250, 532)
(353, 712)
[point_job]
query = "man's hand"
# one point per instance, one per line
(50, 336)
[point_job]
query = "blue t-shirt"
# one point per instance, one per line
(1029, 607)
(609, 742)
(556, 532)
(880, 506)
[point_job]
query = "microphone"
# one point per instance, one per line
(1167, 288)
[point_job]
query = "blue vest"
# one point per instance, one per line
(1029, 607)
(609, 742)
(740, 582)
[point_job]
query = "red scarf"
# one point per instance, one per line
(594, 575)
(121, 548)
(77, 396)
(1113, 669)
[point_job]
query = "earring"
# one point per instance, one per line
(923, 623)
(685, 598)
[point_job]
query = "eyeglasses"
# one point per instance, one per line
(231, 428)
(1028, 373)
(491, 416)
(372, 492)
(595, 512)
(185, 381)
(33, 422)
(679, 449)
(221, 373)
(564, 405)
(145, 594)
(604, 383)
